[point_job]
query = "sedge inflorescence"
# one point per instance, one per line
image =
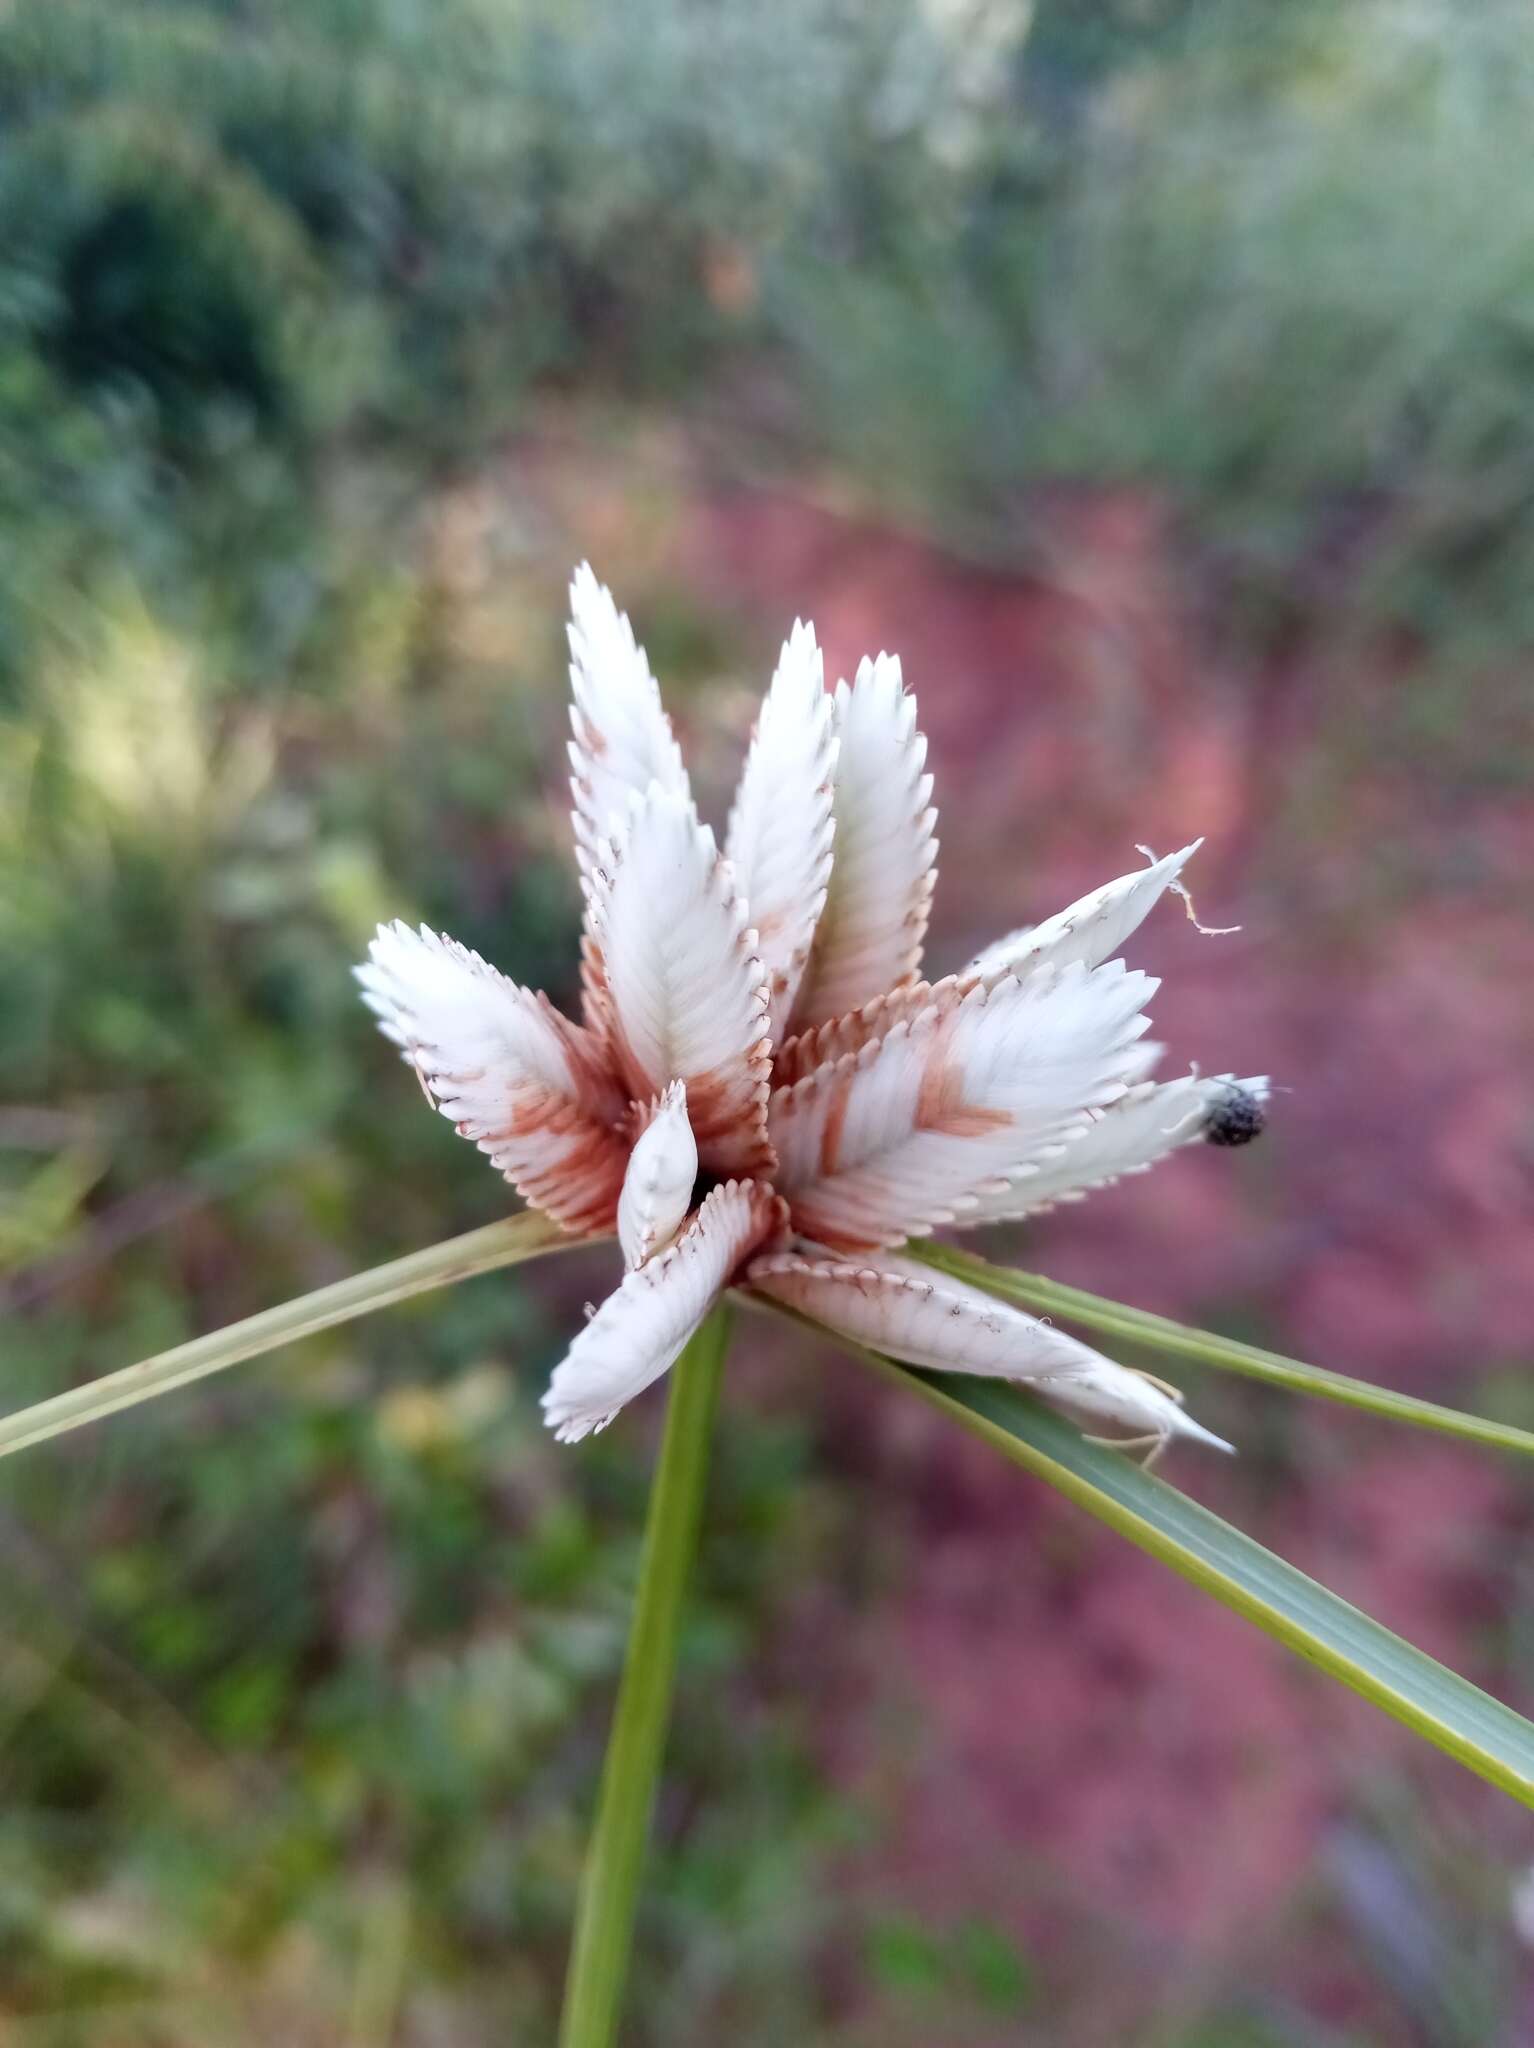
(762, 1090)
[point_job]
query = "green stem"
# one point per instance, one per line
(456, 1258)
(1326, 1631)
(604, 1922)
(1435, 1702)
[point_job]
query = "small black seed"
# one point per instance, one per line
(1236, 1118)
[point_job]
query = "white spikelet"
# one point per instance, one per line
(917, 1125)
(781, 829)
(622, 737)
(919, 1316)
(528, 1088)
(657, 1189)
(682, 990)
(884, 859)
(1090, 930)
(1147, 1413)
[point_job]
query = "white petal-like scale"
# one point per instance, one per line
(910, 1313)
(926, 1318)
(683, 994)
(802, 1054)
(657, 1189)
(884, 865)
(622, 737)
(779, 841)
(1090, 930)
(1153, 1119)
(1145, 1411)
(528, 1088)
(637, 1332)
(833, 1040)
(914, 1127)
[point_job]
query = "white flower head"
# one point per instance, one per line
(762, 1091)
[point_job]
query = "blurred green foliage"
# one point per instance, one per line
(1269, 259)
(303, 1683)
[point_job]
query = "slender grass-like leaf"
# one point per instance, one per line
(609, 1897)
(456, 1258)
(1204, 1347)
(1479, 1731)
